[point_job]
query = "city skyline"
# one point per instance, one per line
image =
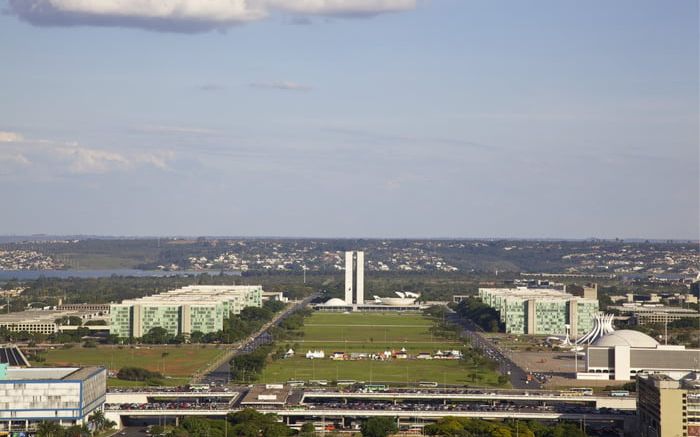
(434, 119)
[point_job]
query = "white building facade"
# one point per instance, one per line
(67, 395)
(355, 277)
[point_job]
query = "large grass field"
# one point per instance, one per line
(374, 332)
(176, 363)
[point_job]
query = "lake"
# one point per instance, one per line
(34, 274)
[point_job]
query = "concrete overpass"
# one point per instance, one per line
(628, 403)
(143, 397)
(402, 416)
(620, 403)
(338, 413)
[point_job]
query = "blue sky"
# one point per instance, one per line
(339, 118)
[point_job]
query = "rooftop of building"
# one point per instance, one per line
(202, 295)
(335, 302)
(655, 308)
(50, 373)
(270, 394)
(39, 316)
(663, 381)
(626, 337)
(525, 293)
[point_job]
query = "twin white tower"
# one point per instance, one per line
(355, 277)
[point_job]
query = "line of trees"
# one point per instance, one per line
(247, 367)
(252, 423)
(137, 374)
(466, 427)
(244, 423)
(480, 313)
(236, 327)
(97, 421)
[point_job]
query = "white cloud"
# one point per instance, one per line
(187, 15)
(86, 160)
(283, 85)
(54, 157)
(171, 15)
(10, 137)
(82, 159)
(163, 129)
(160, 159)
(13, 158)
(343, 7)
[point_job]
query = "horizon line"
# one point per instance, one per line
(281, 237)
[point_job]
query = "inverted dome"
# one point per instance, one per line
(335, 302)
(626, 337)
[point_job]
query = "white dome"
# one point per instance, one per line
(626, 337)
(335, 302)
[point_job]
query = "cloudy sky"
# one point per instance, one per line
(339, 118)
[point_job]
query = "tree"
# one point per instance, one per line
(77, 431)
(137, 374)
(196, 336)
(97, 322)
(100, 422)
(157, 335)
(308, 429)
(49, 429)
(196, 427)
(97, 419)
(251, 423)
(274, 305)
(157, 430)
(379, 427)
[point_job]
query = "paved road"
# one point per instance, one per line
(221, 375)
(518, 376)
(131, 431)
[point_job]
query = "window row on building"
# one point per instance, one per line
(183, 311)
(541, 311)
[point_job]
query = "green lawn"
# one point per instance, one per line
(378, 329)
(395, 371)
(374, 332)
(321, 318)
(178, 362)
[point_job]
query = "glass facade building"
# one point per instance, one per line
(183, 311)
(542, 311)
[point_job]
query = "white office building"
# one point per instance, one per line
(355, 277)
(622, 355)
(67, 395)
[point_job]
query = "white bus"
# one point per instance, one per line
(199, 387)
(582, 390)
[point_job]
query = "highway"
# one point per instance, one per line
(220, 374)
(623, 403)
(518, 376)
(403, 404)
